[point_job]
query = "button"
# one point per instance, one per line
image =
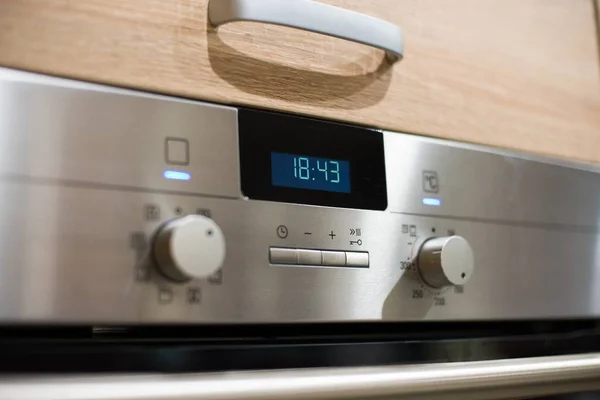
(357, 259)
(177, 151)
(279, 255)
(309, 257)
(333, 258)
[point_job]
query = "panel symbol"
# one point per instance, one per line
(138, 240)
(282, 231)
(165, 295)
(151, 212)
(355, 232)
(216, 278)
(194, 295)
(431, 183)
(177, 151)
(204, 212)
(413, 230)
(142, 274)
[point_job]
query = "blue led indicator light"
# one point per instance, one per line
(177, 175)
(430, 201)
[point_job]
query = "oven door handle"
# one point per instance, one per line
(496, 379)
(314, 17)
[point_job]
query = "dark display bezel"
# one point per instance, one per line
(262, 132)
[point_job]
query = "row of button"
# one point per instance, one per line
(328, 258)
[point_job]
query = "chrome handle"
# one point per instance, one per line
(314, 17)
(498, 379)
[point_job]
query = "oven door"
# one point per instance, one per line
(508, 360)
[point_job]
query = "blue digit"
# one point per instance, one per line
(336, 171)
(295, 168)
(322, 170)
(303, 168)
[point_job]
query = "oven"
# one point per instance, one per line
(160, 248)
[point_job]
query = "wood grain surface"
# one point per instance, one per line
(597, 8)
(520, 74)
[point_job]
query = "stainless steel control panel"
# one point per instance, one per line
(124, 207)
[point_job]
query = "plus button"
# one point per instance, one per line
(332, 235)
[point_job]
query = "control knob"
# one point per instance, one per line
(445, 261)
(189, 247)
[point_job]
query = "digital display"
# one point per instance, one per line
(305, 172)
(291, 159)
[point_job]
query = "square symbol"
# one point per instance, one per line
(177, 151)
(431, 183)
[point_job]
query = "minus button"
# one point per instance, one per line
(309, 257)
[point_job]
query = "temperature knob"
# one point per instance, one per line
(445, 261)
(189, 247)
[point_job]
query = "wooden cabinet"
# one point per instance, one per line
(520, 74)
